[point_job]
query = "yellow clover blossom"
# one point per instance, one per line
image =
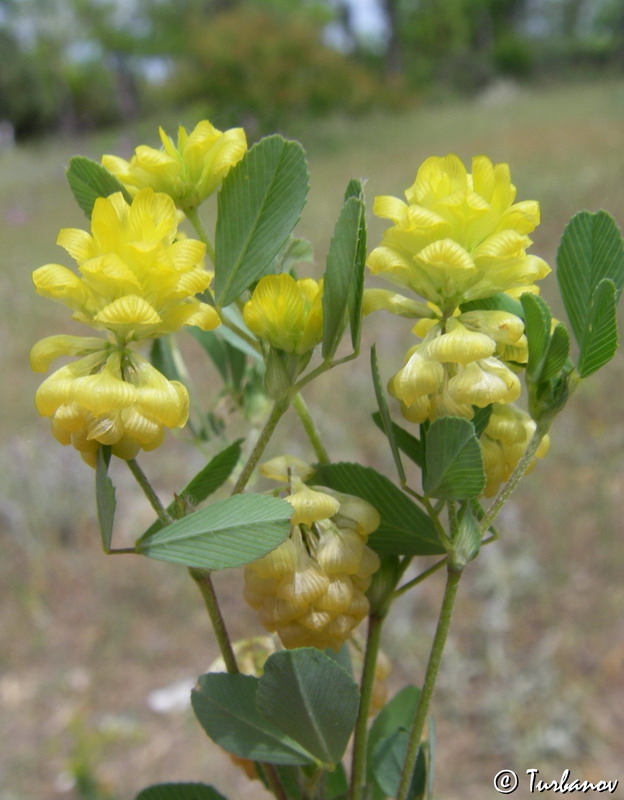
(460, 236)
(456, 368)
(310, 590)
(137, 278)
(287, 313)
(188, 172)
(108, 396)
(504, 442)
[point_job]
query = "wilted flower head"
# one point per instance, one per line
(188, 172)
(108, 396)
(504, 442)
(137, 278)
(310, 590)
(287, 313)
(460, 236)
(458, 367)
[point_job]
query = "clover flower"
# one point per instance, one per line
(310, 589)
(460, 236)
(188, 172)
(107, 397)
(460, 366)
(137, 278)
(287, 313)
(504, 442)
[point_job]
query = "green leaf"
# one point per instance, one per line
(294, 251)
(591, 249)
(180, 791)
(384, 415)
(228, 533)
(213, 475)
(398, 713)
(453, 461)
(344, 266)
(496, 302)
(537, 319)
(163, 358)
(336, 784)
(104, 496)
(405, 528)
(557, 354)
(207, 481)
(225, 706)
(601, 339)
(481, 418)
(311, 698)
(89, 180)
(406, 441)
(259, 204)
(356, 189)
(388, 758)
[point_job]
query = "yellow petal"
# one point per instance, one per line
(128, 310)
(45, 351)
(78, 243)
(310, 505)
(282, 468)
(460, 345)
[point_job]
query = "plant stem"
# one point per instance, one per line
(309, 427)
(420, 578)
(358, 762)
(513, 481)
(279, 407)
(193, 217)
(203, 580)
(433, 666)
(149, 492)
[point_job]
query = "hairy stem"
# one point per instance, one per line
(433, 667)
(310, 428)
(146, 486)
(203, 580)
(358, 761)
(276, 414)
(514, 480)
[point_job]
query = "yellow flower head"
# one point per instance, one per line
(137, 278)
(109, 396)
(287, 313)
(460, 236)
(503, 443)
(188, 172)
(310, 589)
(459, 367)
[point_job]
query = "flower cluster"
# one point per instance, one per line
(454, 369)
(459, 238)
(310, 589)
(137, 278)
(188, 172)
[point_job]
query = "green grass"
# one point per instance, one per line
(535, 660)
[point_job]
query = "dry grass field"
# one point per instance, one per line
(534, 672)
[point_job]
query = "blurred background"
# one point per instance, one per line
(533, 675)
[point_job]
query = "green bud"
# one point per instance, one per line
(467, 541)
(383, 584)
